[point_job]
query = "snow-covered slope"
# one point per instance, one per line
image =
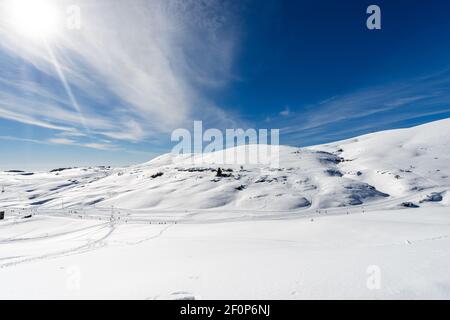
(298, 232)
(330, 257)
(380, 170)
(402, 162)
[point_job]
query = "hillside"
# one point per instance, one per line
(380, 170)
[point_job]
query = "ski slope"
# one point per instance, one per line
(398, 165)
(328, 257)
(316, 227)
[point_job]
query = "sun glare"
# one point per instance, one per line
(34, 18)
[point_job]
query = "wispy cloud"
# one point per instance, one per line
(370, 109)
(286, 111)
(11, 138)
(61, 141)
(134, 70)
(70, 142)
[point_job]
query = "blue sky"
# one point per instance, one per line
(112, 92)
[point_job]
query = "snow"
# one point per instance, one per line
(326, 258)
(406, 164)
(316, 227)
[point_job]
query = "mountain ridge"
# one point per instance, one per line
(394, 165)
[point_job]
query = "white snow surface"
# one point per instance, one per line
(316, 227)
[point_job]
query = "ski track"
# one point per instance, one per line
(91, 245)
(318, 193)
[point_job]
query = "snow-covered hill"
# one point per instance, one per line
(329, 257)
(409, 167)
(332, 222)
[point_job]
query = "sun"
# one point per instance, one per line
(34, 18)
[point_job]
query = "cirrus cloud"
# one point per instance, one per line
(134, 70)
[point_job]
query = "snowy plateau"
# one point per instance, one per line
(364, 218)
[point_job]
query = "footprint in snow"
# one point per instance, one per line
(182, 295)
(178, 295)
